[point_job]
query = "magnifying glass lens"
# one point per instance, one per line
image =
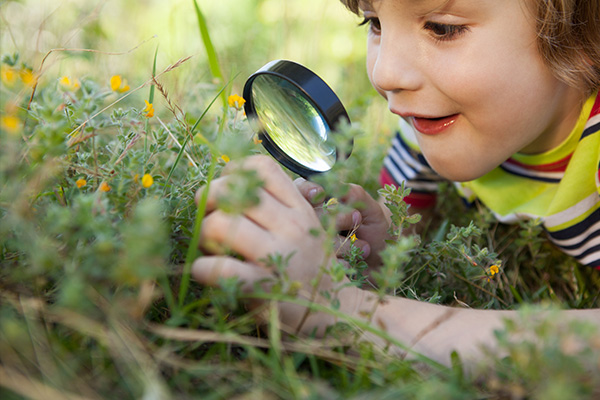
(293, 122)
(296, 115)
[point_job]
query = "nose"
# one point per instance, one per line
(394, 65)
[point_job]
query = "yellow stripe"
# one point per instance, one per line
(579, 180)
(575, 220)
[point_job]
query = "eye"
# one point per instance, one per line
(373, 23)
(443, 32)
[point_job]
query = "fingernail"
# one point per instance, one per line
(312, 194)
(366, 249)
(355, 218)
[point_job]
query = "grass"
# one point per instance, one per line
(95, 296)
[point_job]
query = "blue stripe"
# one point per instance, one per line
(590, 130)
(400, 169)
(591, 250)
(427, 176)
(583, 242)
(415, 154)
(578, 228)
(398, 146)
(532, 177)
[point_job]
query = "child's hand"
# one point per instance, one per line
(368, 221)
(283, 222)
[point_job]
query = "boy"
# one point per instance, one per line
(481, 82)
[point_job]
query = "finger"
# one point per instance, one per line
(276, 181)
(358, 197)
(209, 270)
(268, 212)
(348, 221)
(210, 192)
(370, 209)
(344, 244)
(237, 233)
(312, 192)
(221, 189)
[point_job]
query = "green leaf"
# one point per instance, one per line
(213, 61)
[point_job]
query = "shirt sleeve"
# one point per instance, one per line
(405, 163)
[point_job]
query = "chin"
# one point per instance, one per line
(459, 171)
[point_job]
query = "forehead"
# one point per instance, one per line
(366, 5)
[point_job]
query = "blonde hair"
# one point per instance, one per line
(568, 39)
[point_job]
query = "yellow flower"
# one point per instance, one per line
(331, 202)
(80, 183)
(256, 140)
(149, 110)
(494, 270)
(115, 82)
(28, 77)
(147, 180)
(10, 123)
(8, 75)
(118, 84)
(225, 158)
(104, 187)
(236, 101)
(68, 83)
(353, 238)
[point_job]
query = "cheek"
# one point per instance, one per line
(500, 86)
(507, 74)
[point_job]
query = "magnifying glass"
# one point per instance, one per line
(295, 115)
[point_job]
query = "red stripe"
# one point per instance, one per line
(414, 199)
(386, 179)
(596, 107)
(557, 166)
(421, 200)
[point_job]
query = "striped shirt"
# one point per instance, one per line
(561, 187)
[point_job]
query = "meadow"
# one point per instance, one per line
(114, 113)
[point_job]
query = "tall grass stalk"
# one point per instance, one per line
(213, 60)
(150, 98)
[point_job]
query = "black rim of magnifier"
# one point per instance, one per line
(314, 89)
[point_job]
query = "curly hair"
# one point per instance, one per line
(568, 34)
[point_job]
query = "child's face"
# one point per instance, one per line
(467, 75)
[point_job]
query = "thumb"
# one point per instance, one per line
(310, 191)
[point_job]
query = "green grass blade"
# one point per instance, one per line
(150, 100)
(213, 61)
(192, 252)
(151, 94)
(187, 139)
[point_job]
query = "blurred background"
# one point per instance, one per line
(103, 38)
(125, 34)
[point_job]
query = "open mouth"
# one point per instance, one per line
(433, 126)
